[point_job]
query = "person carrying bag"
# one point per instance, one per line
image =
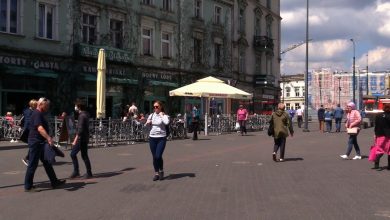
(353, 126)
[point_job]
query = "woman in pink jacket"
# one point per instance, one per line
(353, 121)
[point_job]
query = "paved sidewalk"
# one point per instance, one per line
(217, 177)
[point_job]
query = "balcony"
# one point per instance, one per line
(263, 44)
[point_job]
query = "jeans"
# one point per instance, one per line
(352, 141)
(83, 147)
(280, 143)
(300, 120)
(36, 153)
(328, 125)
(338, 124)
(242, 126)
(195, 129)
(157, 147)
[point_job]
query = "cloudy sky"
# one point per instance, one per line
(332, 23)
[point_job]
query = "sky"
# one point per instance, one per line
(332, 23)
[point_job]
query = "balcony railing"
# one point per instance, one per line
(263, 43)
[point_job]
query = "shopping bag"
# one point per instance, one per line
(237, 126)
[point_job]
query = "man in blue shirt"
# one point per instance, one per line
(338, 116)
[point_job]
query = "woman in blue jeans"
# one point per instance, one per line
(158, 138)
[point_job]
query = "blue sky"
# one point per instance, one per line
(332, 23)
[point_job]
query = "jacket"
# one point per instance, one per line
(353, 119)
(382, 125)
(338, 112)
(282, 124)
(321, 114)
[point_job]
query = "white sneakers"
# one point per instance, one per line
(344, 156)
(355, 158)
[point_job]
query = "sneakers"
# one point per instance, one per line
(161, 175)
(32, 190)
(25, 161)
(357, 157)
(274, 157)
(88, 176)
(344, 156)
(58, 183)
(156, 177)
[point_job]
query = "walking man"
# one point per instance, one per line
(299, 116)
(321, 117)
(338, 116)
(80, 142)
(195, 122)
(37, 138)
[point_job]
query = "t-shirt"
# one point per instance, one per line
(37, 119)
(299, 112)
(241, 114)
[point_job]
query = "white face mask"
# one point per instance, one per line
(75, 108)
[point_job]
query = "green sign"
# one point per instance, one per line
(112, 54)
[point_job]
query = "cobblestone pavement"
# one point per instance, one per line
(217, 177)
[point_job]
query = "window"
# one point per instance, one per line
(167, 5)
(89, 28)
(296, 91)
(241, 62)
(217, 15)
(241, 21)
(9, 16)
(257, 26)
(147, 2)
(303, 91)
(288, 90)
(46, 21)
(296, 106)
(147, 36)
(198, 8)
(198, 50)
(217, 55)
(287, 106)
(116, 30)
(166, 45)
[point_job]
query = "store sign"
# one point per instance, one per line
(112, 54)
(109, 71)
(157, 76)
(35, 63)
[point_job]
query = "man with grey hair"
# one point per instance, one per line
(37, 138)
(282, 126)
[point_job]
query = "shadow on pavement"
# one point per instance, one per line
(62, 163)
(202, 139)
(179, 175)
(293, 159)
(69, 186)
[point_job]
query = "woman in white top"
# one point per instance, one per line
(158, 138)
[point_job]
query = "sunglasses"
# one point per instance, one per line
(156, 106)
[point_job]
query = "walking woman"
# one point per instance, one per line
(158, 138)
(353, 121)
(242, 117)
(282, 126)
(382, 135)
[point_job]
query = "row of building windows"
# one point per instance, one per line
(296, 91)
(291, 107)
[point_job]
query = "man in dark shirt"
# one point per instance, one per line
(26, 122)
(321, 117)
(81, 140)
(37, 138)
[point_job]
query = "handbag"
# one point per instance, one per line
(24, 136)
(352, 131)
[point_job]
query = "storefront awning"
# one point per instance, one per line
(26, 71)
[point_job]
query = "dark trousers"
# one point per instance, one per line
(157, 147)
(352, 141)
(280, 143)
(242, 126)
(338, 124)
(300, 120)
(83, 147)
(195, 128)
(36, 153)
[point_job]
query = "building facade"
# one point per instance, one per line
(293, 91)
(152, 47)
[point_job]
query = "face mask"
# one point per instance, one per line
(76, 109)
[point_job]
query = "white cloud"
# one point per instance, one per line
(383, 12)
(378, 59)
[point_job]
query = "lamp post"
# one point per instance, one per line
(339, 78)
(306, 129)
(353, 73)
(367, 76)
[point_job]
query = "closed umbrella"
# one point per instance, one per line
(101, 85)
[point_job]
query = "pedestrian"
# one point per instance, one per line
(291, 112)
(242, 117)
(37, 138)
(321, 117)
(299, 116)
(195, 122)
(338, 116)
(10, 119)
(282, 128)
(382, 135)
(80, 142)
(133, 109)
(27, 112)
(353, 121)
(158, 138)
(328, 116)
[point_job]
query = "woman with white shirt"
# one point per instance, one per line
(158, 138)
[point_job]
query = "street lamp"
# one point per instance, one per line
(306, 128)
(339, 78)
(353, 72)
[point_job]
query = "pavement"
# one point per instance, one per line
(217, 177)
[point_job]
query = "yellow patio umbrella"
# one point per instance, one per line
(101, 85)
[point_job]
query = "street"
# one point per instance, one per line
(217, 177)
